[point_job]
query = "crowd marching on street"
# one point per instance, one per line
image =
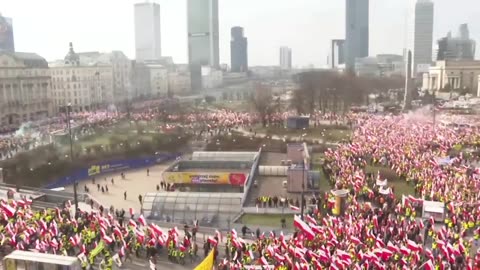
(36, 133)
(103, 238)
(392, 236)
(371, 234)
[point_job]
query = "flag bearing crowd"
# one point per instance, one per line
(37, 133)
(369, 234)
(34, 134)
(392, 236)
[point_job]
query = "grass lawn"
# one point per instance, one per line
(317, 158)
(401, 186)
(94, 140)
(266, 220)
(324, 183)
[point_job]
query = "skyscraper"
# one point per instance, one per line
(203, 46)
(6, 35)
(238, 50)
(421, 36)
(337, 53)
(357, 31)
(285, 58)
(457, 48)
(147, 31)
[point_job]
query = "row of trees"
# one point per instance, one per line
(336, 92)
(44, 164)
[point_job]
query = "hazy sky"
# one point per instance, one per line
(307, 26)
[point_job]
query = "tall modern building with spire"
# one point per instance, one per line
(420, 35)
(357, 31)
(147, 31)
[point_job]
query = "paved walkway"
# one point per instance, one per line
(270, 210)
(136, 183)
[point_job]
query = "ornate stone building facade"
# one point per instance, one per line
(84, 84)
(24, 89)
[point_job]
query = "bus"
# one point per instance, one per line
(28, 260)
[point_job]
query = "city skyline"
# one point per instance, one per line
(308, 36)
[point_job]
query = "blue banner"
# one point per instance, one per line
(110, 166)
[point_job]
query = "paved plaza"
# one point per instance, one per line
(136, 183)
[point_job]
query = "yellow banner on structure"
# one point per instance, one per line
(222, 178)
(207, 263)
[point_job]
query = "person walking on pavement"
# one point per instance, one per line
(140, 198)
(152, 263)
(148, 172)
(244, 230)
(125, 195)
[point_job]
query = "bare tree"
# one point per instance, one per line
(264, 104)
(338, 91)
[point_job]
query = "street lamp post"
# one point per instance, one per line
(302, 196)
(302, 204)
(75, 196)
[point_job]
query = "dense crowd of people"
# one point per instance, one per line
(369, 234)
(100, 238)
(33, 134)
(386, 233)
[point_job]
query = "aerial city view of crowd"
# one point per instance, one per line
(438, 159)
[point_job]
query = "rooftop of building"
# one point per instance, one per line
(457, 63)
(219, 169)
(93, 58)
(210, 209)
(31, 60)
(147, 3)
(224, 156)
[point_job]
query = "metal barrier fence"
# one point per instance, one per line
(251, 177)
(110, 166)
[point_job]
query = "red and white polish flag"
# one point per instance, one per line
(142, 220)
(300, 224)
(294, 208)
(212, 241)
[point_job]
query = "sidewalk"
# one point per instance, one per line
(269, 210)
(136, 183)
